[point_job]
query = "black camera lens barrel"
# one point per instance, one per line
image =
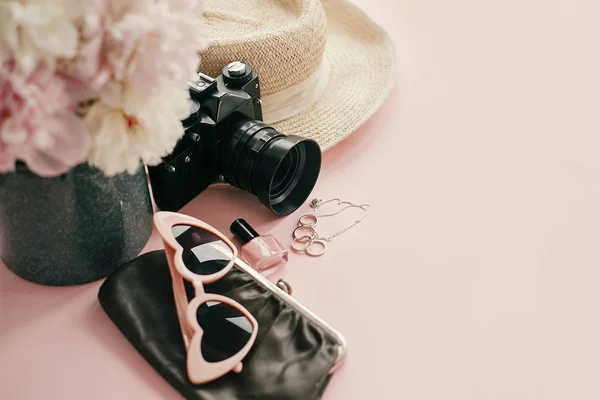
(280, 170)
(246, 162)
(235, 145)
(285, 174)
(285, 197)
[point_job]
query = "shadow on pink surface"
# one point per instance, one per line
(220, 205)
(366, 136)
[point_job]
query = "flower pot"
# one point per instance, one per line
(75, 228)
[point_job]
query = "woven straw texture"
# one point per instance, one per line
(286, 40)
(284, 43)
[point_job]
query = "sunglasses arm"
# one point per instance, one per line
(180, 297)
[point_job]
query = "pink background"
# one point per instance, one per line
(476, 275)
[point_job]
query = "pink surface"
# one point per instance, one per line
(482, 245)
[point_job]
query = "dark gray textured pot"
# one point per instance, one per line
(75, 228)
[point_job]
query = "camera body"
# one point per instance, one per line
(226, 141)
(216, 106)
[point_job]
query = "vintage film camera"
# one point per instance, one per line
(225, 141)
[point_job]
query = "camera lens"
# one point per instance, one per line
(280, 170)
(284, 175)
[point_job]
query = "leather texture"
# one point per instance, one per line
(290, 359)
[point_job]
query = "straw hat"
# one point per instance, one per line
(324, 66)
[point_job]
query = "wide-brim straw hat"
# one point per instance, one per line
(324, 66)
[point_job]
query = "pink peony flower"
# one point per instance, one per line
(129, 60)
(153, 41)
(88, 71)
(152, 49)
(37, 122)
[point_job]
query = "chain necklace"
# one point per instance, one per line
(306, 238)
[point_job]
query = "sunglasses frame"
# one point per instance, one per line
(199, 370)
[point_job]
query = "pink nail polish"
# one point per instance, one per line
(260, 252)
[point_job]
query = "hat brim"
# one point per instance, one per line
(362, 71)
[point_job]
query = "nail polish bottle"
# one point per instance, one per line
(260, 252)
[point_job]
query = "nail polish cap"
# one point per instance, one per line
(243, 231)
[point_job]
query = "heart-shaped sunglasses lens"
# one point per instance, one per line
(226, 330)
(203, 252)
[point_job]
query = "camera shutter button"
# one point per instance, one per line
(236, 74)
(236, 68)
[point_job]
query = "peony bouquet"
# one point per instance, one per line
(102, 81)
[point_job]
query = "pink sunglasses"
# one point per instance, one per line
(217, 331)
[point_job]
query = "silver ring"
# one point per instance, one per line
(316, 253)
(306, 241)
(298, 231)
(308, 220)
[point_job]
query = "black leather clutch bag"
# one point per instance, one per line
(292, 359)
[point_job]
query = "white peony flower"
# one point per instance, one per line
(128, 127)
(34, 31)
